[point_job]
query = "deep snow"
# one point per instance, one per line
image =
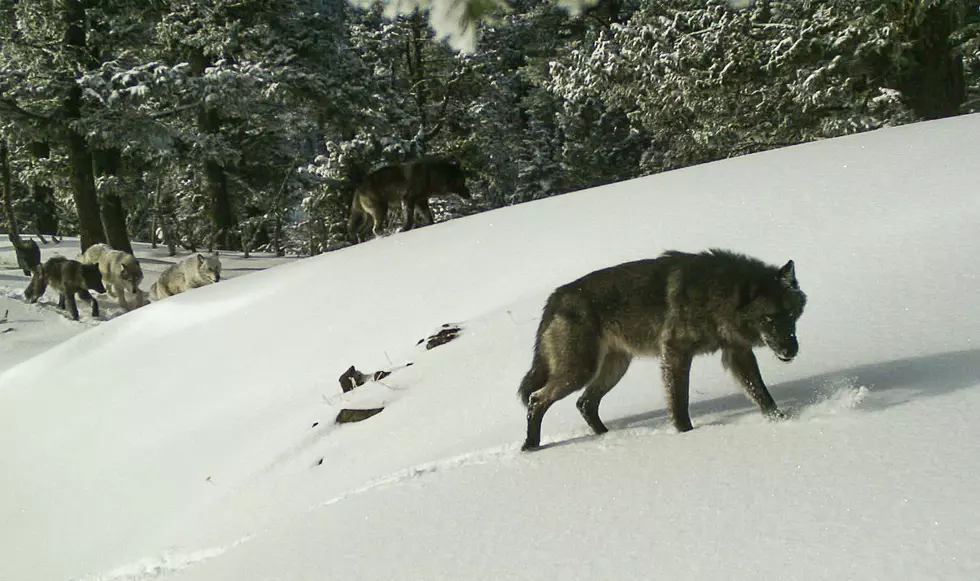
(179, 440)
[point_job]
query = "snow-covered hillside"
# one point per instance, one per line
(194, 438)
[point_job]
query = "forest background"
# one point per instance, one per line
(247, 124)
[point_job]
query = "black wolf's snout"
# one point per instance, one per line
(788, 349)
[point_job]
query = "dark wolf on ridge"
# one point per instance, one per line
(68, 277)
(28, 255)
(673, 307)
(413, 183)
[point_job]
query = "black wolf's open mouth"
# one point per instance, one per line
(784, 358)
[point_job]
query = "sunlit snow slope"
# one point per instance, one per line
(194, 438)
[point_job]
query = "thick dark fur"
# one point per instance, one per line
(673, 307)
(28, 255)
(69, 278)
(413, 183)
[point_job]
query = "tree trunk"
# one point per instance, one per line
(8, 206)
(82, 178)
(222, 218)
(934, 83)
(114, 223)
(106, 163)
(155, 216)
(277, 236)
(418, 27)
(45, 210)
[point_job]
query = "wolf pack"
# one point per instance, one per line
(104, 270)
(673, 307)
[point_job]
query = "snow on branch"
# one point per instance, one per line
(457, 20)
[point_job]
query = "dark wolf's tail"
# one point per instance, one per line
(355, 222)
(535, 378)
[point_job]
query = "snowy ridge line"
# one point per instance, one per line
(155, 567)
(486, 456)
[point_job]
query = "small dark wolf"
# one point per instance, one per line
(673, 307)
(68, 277)
(28, 255)
(413, 183)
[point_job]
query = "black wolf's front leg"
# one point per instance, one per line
(743, 365)
(676, 369)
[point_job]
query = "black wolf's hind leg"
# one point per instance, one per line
(611, 370)
(676, 369)
(742, 364)
(559, 385)
(69, 298)
(426, 212)
(379, 217)
(85, 295)
(574, 352)
(61, 301)
(409, 214)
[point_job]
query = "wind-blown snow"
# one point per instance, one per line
(194, 438)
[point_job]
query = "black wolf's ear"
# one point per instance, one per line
(787, 275)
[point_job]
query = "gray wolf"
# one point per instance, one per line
(674, 307)
(192, 272)
(68, 277)
(413, 183)
(28, 255)
(120, 270)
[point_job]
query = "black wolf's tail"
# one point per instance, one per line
(355, 222)
(535, 378)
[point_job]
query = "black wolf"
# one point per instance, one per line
(413, 183)
(673, 307)
(28, 255)
(68, 277)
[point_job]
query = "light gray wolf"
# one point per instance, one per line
(413, 183)
(121, 273)
(28, 254)
(68, 277)
(674, 307)
(192, 272)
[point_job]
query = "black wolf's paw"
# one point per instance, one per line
(776, 416)
(530, 446)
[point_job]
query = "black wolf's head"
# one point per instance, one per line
(92, 277)
(774, 309)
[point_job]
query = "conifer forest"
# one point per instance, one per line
(247, 124)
